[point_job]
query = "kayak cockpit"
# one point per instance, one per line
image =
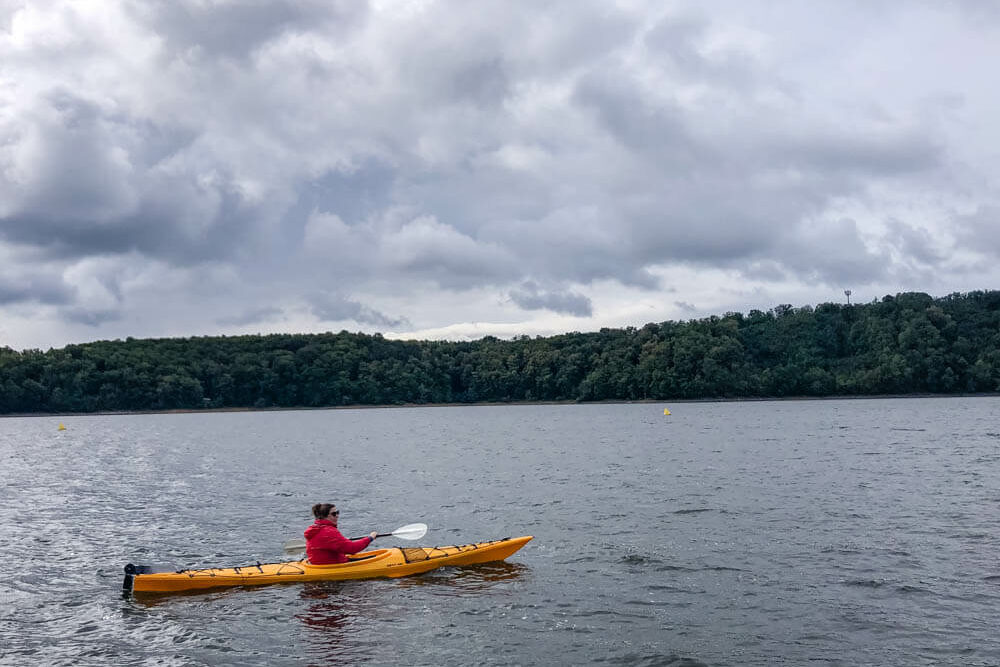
(352, 559)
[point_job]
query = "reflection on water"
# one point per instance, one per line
(328, 612)
(467, 579)
(333, 617)
(338, 615)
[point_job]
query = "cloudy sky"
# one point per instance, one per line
(459, 169)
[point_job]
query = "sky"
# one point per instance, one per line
(452, 170)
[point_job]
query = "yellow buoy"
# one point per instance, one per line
(665, 411)
(62, 427)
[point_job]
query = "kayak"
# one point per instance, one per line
(393, 562)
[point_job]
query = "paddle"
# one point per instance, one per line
(413, 531)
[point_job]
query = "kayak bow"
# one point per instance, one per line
(394, 562)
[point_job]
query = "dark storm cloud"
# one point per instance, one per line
(530, 297)
(336, 308)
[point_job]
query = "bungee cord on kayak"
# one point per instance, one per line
(417, 554)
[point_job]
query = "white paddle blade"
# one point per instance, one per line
(413, 531)
(294, 545)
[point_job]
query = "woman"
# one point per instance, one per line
(324, 543)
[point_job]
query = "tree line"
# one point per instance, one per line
(903, 344)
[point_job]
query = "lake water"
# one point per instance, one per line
(856, 532)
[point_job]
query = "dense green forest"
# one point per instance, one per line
(903, 344)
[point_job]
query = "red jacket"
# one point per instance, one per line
(326, 545)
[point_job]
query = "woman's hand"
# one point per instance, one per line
(373, 535)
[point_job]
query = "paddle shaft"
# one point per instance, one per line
(297, 546)
(413, 531)
(364, 536)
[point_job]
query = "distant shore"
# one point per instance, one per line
(648, 401)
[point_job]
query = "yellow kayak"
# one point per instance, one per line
(394, 562)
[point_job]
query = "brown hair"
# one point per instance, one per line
(321, 510)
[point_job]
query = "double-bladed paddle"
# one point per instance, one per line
(413, 531)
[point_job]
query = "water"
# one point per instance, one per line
(858, 532)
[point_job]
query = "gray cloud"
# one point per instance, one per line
(916, 243)
(483, 83)
(530, 297)
(336, 308)
(441, 153)
(980, 230)
(86, 188)
(860, 153)
(90, 317)
(622, 110)
(252, 316)
(832, 253)
(40, 288)
(236, 29)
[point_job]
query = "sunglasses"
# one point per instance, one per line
(334, 513)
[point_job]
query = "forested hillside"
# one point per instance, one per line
(908, 343)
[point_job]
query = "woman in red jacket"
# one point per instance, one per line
(324, 543)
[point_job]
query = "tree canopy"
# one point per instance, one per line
(904, 344)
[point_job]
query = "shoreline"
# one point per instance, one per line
(645, 401)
